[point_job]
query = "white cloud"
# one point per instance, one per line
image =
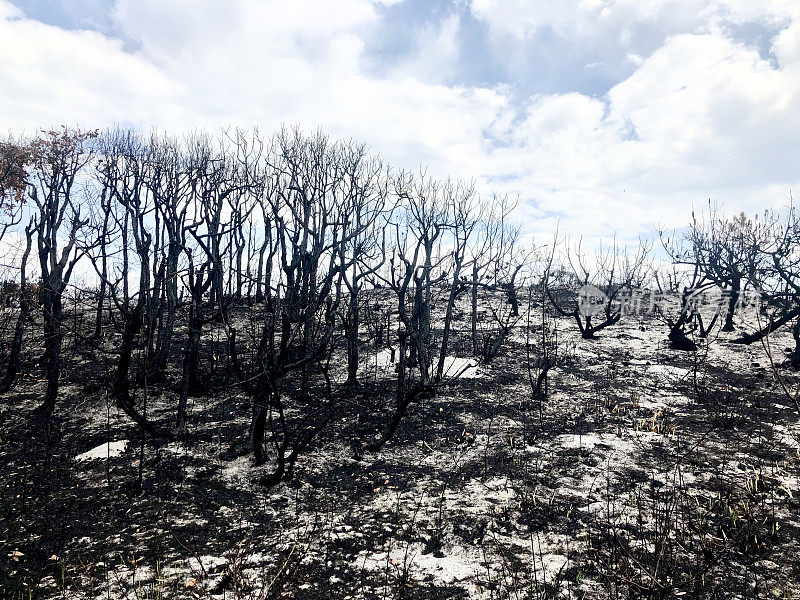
(49, 76)
(584, 18)
(274, 62)
(436, 51)
(699, 116)
(713, 111)
(608, 19)
(786, 47)
(9, 11)
(703, 117)
(617, 34)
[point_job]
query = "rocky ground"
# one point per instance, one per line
(645, 472)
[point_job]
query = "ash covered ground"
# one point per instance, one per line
(643, 472)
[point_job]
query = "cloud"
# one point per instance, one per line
(703, 117)
(619, 20)
(556, 39)
(50, 76)
(696, 112)
(9, 11)
(272, 62)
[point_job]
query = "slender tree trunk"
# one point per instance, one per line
(101, 296)
(511, 294)
(794, 357)
(239, 271)
(474, 317)
(421, 334)
(258, 428)
(19, 330)
(53, 336)
(402, 397)
(167, 328)
(259, 274)
(156, 309)
(121, 387)
(14, 360)
(193, 368)
(448, 321)
(180, 419)
(733, 299)
(351, 335)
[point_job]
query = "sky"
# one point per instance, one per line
(605, 117)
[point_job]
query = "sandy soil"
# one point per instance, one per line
(646, 472)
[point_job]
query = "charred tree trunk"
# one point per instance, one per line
(511, 295)
(180, 418)
(169, 307)
(474, 313)
(120, 386)
(53, 336)
(455, 288)
(259, 274)
(750, 338)
(258, 428)
(191, 380)
(193, 368)
(264, 399)
(587, 333)
(351, 335)
(678, 338)
(421, 331)
(101, 296)
(19, 329)
(794, 356)
(402, 398)
(14, 355)
(733, 300)
(97, 334)
(680, 341)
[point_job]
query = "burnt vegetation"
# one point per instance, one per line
(241, 366)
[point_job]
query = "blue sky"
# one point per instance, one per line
(606, 115)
